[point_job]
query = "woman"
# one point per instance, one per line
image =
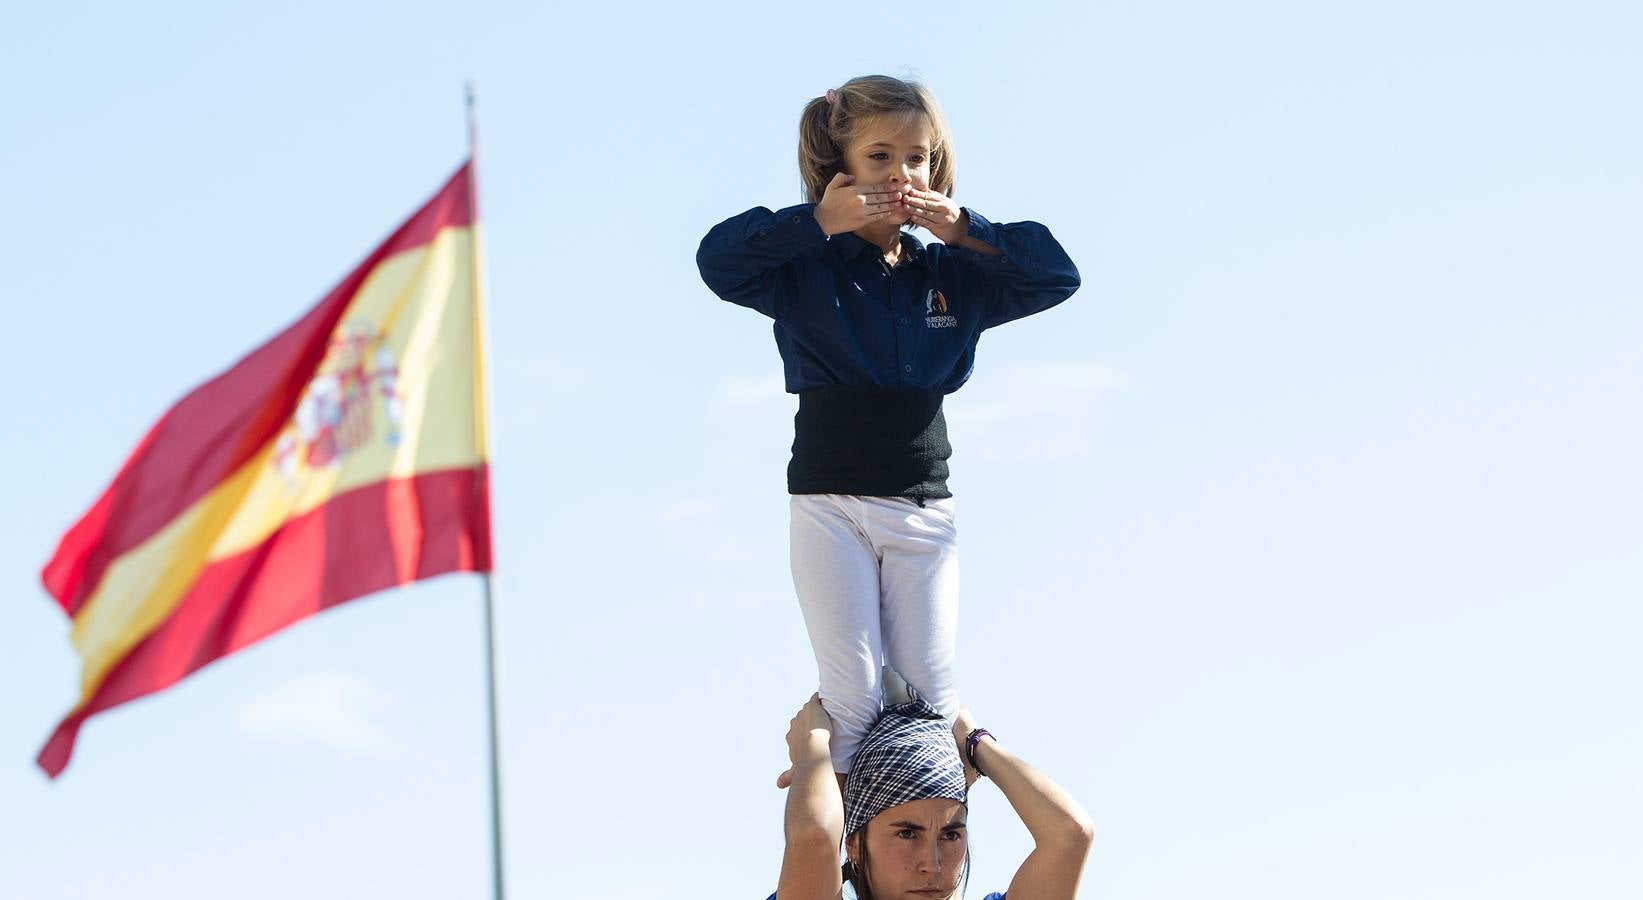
(902, 815)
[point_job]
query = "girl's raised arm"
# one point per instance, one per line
(1027, 272)
(814, 821)
(1061, 829)
(741, 258)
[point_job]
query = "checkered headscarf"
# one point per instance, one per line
(908, 755)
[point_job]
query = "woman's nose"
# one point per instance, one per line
(932, 858)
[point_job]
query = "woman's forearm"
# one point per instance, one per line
(1051, 815)
(814, 805)
(813, 826)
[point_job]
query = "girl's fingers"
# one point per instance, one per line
(931, 205)
(875, 191)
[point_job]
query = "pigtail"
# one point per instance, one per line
(820, 156)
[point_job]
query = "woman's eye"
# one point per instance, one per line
(950, 835)
(880, 157)
(917, 159)
(905, 833)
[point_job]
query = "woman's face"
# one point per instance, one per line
(892, 150)
(916, 851)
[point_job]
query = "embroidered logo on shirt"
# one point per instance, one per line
(935, 311)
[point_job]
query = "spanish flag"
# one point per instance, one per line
(346, 455)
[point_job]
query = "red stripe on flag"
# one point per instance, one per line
(372, 538)
(223, 423)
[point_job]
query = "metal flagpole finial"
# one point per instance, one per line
(468, 104)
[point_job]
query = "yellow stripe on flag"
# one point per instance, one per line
(430, 342)
(143, 585)
(394, 399)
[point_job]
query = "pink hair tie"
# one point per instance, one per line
(832, 96)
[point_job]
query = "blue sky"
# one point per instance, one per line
(1302, 545)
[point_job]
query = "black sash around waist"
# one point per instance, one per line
(876, 442)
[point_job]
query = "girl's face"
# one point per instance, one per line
(892, 150)
(916, 851)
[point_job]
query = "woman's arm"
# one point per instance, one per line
(814, 822)
(1061, 829)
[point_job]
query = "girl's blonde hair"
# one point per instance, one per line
(832, 122)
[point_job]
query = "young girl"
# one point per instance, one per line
(874, 329)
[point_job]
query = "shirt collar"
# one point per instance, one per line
(851, 245)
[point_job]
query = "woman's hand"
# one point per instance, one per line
(813, 818)
(936, 213)
(807, 735)
(963, 724)
(845, 206)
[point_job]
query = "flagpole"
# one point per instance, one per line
(481, 413)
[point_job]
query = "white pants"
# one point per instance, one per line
(877, 579)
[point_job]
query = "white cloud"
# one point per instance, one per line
(684, 511)
(698, 525)
(1032, 389)
(1064, 374)
(326, 708)
(737, 393)
(539, 375)
(1040, 410)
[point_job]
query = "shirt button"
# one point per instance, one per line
(763, 232)
(904, 320)
(795, 218)
(907, 368)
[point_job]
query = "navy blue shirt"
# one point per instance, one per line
(843, 317)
